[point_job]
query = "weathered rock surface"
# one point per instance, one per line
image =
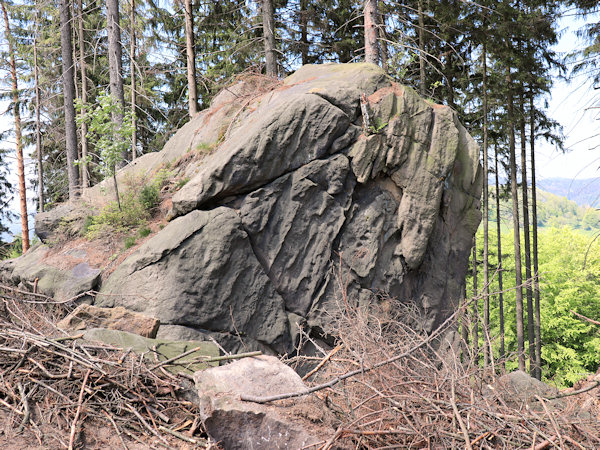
(299, 191)
(89, 316)
(63, 282)
(241, 425)
(161, 349)
(179, 276)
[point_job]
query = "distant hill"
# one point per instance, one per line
(553, 211)
(583, 192)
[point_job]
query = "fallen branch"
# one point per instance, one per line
(331, 383)
(587, 319)
(322, 363)
(78, 412)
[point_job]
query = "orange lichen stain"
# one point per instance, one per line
(377, 96)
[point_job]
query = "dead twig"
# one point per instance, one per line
(78, 412)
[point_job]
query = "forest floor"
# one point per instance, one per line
(388, 385)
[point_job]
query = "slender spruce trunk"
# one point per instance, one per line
(115, 65)
(475, 332)
(371, 42)
(421, 34)
(526, 238)
(69, 97)
(18, 136)
(464, 326)
(191, 59)
(132, 56)
(516, 225)
(536, 281)
(304, 31)
(85, 178)
(269, 38)
(500, 269)
(486, 208)
(38, 126)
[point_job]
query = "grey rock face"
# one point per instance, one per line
(62, 283)
(303, 190)
(200, 270)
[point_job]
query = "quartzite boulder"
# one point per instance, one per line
(241, 425)
(300, 189)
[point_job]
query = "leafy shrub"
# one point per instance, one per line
(149, 197)
(129, 242)
(112, 219)
(144, 231)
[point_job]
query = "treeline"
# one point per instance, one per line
(160, 62)
(569, 268)
(552, 211)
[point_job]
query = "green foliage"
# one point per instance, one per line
(144, 231)
(129, 242)
(377, 126)
(112, 219)
(181, 183)
(149, 197)
(570, 346)
(111, 140)
(13, 249)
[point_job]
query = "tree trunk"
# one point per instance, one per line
(191, 59)
(304, 31)
(132, 53)
(38, 130)
(85, 179)
(383, 46)
(527, 243)
(536, 283)
(486, 291)
(371, 42)
(421, 33)
(115, 70)
(18, 137)
(69, 97)
(500, 269)
(475, 304)
(464, 327)
(516, 229)
(269, 38)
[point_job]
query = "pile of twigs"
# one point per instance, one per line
(49, 378)
(428, 398)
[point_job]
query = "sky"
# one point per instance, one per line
(576, 105)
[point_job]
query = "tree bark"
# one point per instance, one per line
(421, 33)
(371, 43)
(500, 269)
(85, 179)
(191, 59)
(485, 293)
(18, 137)
(69, 97)
(132, 53)
(536, 282)
(516, 225)
(269, 38)
(475, 331)
(115, 69)
(304, 31)
(526, 236)
(38, 130)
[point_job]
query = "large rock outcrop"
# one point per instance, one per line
(298, 188)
